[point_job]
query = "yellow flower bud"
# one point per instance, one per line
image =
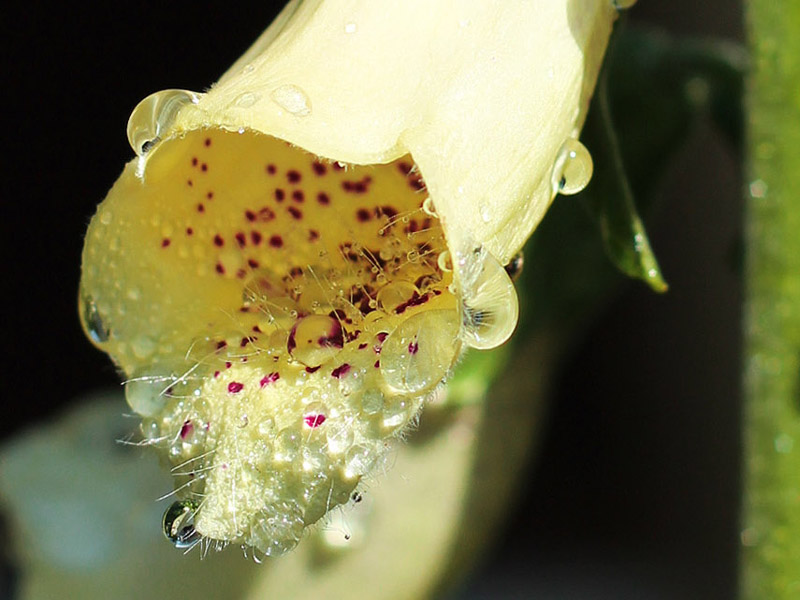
(295, 259)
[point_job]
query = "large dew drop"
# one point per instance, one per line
(178, 524)
(420, 352)
(154, 115)
(489, 305)
(573, 168)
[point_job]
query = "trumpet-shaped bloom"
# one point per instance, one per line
(296, 259)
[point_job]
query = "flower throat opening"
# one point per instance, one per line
(279, 319)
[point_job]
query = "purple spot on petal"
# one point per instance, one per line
(340, 371)
(314, 420)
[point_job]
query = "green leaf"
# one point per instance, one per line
(652, 90)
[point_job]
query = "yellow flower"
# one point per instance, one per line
(295, 259)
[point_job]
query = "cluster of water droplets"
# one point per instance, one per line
(285, 425)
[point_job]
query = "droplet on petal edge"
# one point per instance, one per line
(573, 168)
(488, 306)
(154, 116)
(295, 323)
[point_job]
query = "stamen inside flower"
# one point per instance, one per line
(279, 318)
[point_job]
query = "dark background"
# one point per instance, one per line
(635, 492)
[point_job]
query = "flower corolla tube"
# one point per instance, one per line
(295, 260)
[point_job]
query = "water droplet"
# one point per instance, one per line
(573, 168)
(146, 393)
(419, 353)
(340, 439)
(248, 69)
(287, 444)
(95, 326)
(623, 4)
(444, 262)
(358, 460)
(429, 208)
(178, 523)
(372, 401)
(292, 99)
(277, 528)
(315, 340)
(397, 412)
(486, 213)
(153, 117)
(395, 294)
(350, 28)
(105, 216)
(489, 305)
(246, 100)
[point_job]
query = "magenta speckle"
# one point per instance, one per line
(267, 379)
(276, 241)
(234, 387)
(312, 369)
(413, 347)
(218, 241)
(314, 420)
(186, 429)
(165, 242)
(340, 371)
(293, 176)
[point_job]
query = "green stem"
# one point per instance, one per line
(771, 520)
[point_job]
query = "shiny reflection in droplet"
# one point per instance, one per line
(154, 116)
(573, 168)
(178, 523)
(489, 305)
